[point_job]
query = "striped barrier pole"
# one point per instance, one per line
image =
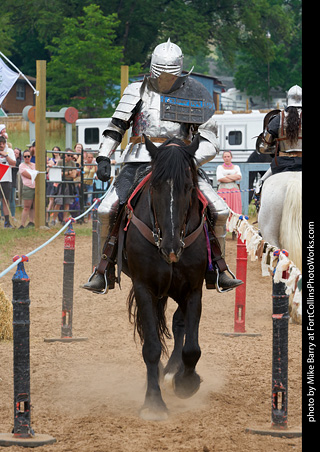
(68, 284)
(239, 328)
(240, 296)
(23, 434)
(279, 390)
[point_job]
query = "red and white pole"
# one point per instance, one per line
(240, 294)
(240, 298)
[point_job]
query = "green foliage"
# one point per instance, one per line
(84, 64)
(272, 45)
(85, 44)
(6, 34)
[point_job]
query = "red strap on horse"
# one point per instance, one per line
(201, 197)
(136, 190)
(203, 200)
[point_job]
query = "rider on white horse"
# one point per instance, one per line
(165, 104)
(282, 137)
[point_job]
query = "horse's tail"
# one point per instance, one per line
(290, 228)
(160, 311)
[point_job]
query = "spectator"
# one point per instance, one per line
(3, 132)
(66, 190)
(228, 177)
(77, 157)
(32, 150)
(28, 189)
(7, 157)
(52, 186)
(89, 170)
(15, 169)
(78, 148)
(12, 198)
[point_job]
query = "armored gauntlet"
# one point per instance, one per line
(104, 168)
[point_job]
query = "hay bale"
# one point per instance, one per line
(6, 329)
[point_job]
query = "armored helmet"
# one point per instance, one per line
(166, 57)
(294, 96)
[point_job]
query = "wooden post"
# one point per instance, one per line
(124, 84)
(40, 192)
(218, 102)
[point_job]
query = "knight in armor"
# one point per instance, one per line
(164, 105)
(282, 137)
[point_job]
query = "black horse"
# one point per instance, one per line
(166, 250)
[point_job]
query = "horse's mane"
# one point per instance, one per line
(171, 162)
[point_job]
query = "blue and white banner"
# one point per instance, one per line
(7, 79)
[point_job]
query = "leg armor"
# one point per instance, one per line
(217, 207)
(103, 277)
(107, 214)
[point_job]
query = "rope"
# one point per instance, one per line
(236, 191)
(273, 260)
(16, 262)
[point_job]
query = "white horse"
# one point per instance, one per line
(280, 216)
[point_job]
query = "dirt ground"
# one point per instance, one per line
(87, 394)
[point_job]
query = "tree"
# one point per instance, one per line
(6, 34)
(235, 30)
(268, 52)
(85, 63)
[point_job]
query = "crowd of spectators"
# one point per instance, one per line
(74, 178)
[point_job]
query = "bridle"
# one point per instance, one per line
(154, 235)
(156, 231)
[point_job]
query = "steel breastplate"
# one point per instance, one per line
(148, 121)
(168, 115)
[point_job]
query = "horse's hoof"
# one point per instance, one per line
(168, 381)
(149, 414)
(186, 386)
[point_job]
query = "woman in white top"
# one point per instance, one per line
(228, 177)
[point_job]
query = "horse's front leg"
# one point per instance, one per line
(186, 381)
(154, 407)
(175, 359)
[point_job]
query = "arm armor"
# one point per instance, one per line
(208, 145)
(121, 119)
(266, 143)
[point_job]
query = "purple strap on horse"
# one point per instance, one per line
(210, 266)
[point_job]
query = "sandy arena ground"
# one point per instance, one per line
(88, 394)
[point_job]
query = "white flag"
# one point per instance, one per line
(7, 80)
(33, 173)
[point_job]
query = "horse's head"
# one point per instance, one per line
(174, 178)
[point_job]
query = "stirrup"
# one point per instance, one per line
(218, 274)
(105, 280)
